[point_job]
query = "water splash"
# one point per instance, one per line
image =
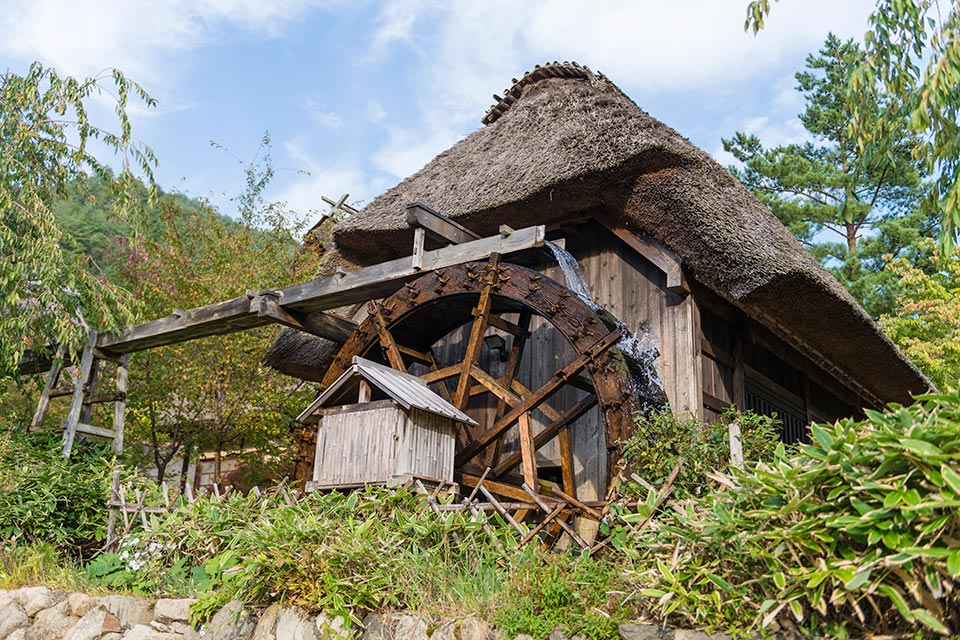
(638, 348)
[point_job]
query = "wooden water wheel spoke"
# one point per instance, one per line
(549, 433)
(386, 339)
(435, 327)
(537, 397)
(480, 315)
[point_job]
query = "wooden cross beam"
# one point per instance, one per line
(537, 397)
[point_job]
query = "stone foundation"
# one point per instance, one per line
(37, 613)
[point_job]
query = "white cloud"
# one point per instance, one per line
(330, 120)
(407, 150)
(141, 37)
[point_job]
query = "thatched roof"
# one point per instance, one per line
(563, 141)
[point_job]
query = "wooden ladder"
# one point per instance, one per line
(84, 396)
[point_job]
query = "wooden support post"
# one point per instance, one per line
(419, 236)
(52, 377)
(112, 511)
(120, 406)
(90, 392)
(364, 393)
(76, 403)
(528, 452)
(736, 445)
(566, 461)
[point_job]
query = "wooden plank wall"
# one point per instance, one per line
(427, 446)
(358, 446)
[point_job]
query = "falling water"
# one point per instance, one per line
(638, 349)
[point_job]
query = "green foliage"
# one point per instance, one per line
(858, 530)
(926, 321)
(39, 563)
(340, 553)
(49, 499)
(866, 195)
(912, 49)
(662, 438)
(46, 295)
(576, 594)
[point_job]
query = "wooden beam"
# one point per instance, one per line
(386, 339)
(318, 323)
(438, 226)
(528, 452)
(322, 294)
(569, 416)
(536, 398)
(480, 314)
(661, 257)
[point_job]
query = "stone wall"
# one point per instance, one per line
(37, 613)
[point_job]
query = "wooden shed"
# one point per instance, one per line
(676, 286)
(377, 425)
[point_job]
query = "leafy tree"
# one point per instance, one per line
(212, 393)
(46, 295)
(913, 51)
(860, 194)
(926, 323)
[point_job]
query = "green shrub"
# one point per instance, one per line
(662, 438)
(343, 554)
(859, 530)
(38, 563)
(582, 596)
(49, 499)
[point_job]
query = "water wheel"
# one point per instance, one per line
(525, 357)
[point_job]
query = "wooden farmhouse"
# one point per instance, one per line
(377, 425)
(676, 286)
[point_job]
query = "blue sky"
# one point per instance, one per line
(358, 95)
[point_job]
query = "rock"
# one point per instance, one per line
(146, 632)
(523, 636)
(53, 623)
(374, 629)
(409, 628)
(34, 599)
(111, 624)
(183, 629)
(12, 617)
(6, 597)
(111, 636)
(687, 634)
(642, 631)
(292, 624)
(473, 628)
(168, 609)
(331, 627)
(446, 631)
(267, 625)
(19, 634)
(129, 610)
(557, 634)
(230, 623)
(80, 604)
(90, 625)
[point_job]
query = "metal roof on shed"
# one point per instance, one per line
(407, 390)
